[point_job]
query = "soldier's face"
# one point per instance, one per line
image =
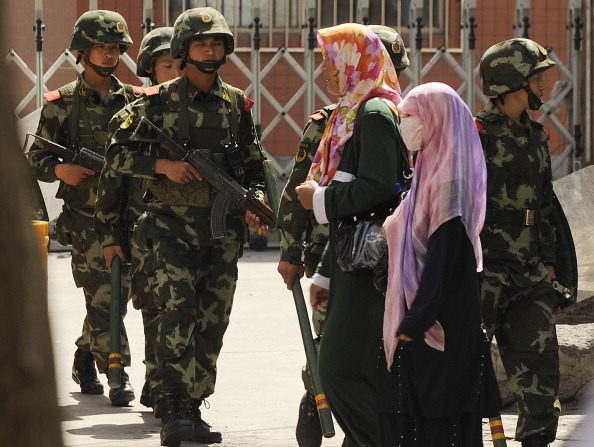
(167, 68)
(537, 84)
(207, 49)
(105, 54)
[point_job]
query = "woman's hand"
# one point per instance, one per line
(305, 193)
(404, 337)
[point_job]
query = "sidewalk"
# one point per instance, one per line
(259, 379)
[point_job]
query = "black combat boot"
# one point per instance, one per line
(146, 398)
(538, 440)
(122, 396)
(202, 432)
(177, 424)
(85, 374)
(308, 431)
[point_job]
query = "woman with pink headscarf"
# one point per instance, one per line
(434, 343)
(354, 173)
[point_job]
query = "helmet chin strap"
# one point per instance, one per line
(206, 67)
(534, 102)
(101, 71)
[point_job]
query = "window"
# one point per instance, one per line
(238, 13)
(393, 13)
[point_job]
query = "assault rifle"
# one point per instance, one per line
(83, 157)
(228, 190)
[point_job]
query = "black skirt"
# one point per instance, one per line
(402, 420)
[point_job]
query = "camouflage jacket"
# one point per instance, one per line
(89, 130)
(301, 234)
(119, 199)
(214, 122)
(519, 178)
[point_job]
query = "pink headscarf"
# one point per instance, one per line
(449, 181)
(365, 70)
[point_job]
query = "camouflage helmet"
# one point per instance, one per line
(394, 45)
(506, 65)
(200, 22)
(100, 26)
(154, 43)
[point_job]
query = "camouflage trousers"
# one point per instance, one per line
(195, 282)
(318, 318)
(523, 324)
(143, 298)
(91, 274)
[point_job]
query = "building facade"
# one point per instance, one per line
(277, 62)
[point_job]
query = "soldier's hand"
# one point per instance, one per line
(72, 174)
(289, 272)
(318, 296)
(177, 171)
(254, 221)
(110, 252)
(551, 272)
(305, 193)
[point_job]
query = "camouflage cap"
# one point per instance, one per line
(154, 43)
(197, 22)
(506, 65)
(394, 44)
(100, 26)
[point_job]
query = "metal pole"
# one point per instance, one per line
(363, 11)
(575, 26)
(469, 26)
(309, 55)
(147, 25)
(587, 13)
(416, 23)
(39, 27)
(256, 25)
(522, 23)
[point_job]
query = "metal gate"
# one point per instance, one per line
(462, 62)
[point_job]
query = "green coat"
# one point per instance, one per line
(351, 341)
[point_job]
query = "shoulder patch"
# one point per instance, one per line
(301, 153)
(52, 96)
(248, 104)
(150, 91)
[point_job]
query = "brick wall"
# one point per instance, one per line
(548, 20)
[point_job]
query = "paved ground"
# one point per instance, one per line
(259, 382)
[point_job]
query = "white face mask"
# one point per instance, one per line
(411, 129)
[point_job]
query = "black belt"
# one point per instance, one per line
(525, 217)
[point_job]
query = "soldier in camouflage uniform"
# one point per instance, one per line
(195, 275)
(120, 204)
(518, 238)
(302, 239)
(77, 115)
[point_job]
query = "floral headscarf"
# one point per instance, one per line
(365, 71)
(449, 181)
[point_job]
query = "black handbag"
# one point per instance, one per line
(359, 244)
